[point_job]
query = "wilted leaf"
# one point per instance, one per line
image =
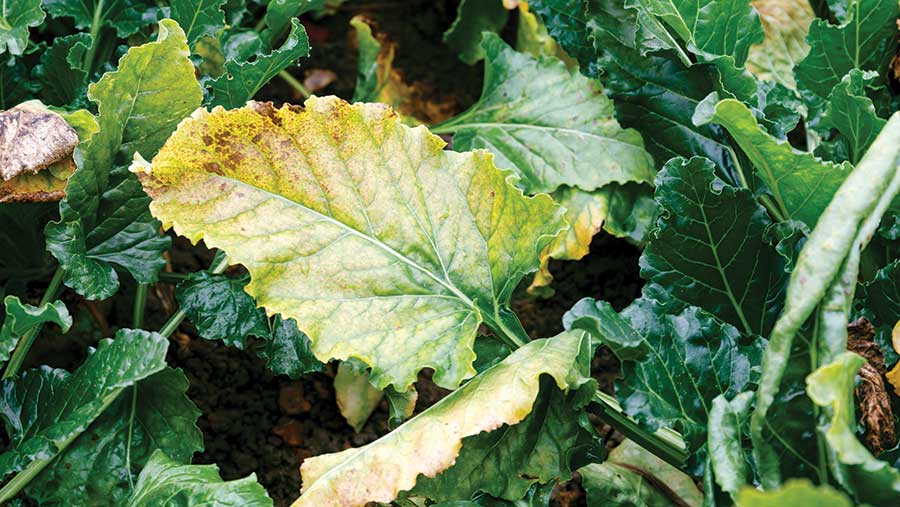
(632, 476)
(21, 317)
(16, 17)
(33, 138)
(473, 18)
(376, 79)
(874, 403)
(786, 23)
(243, 78)
(45, 408)
(503, 395)
(104, 217)
(364, 230)
(794, 493)
(355, 396)
(168, 483)
(572, 140)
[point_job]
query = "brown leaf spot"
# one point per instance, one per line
(874, 403)
(33, 138)
(213, 167)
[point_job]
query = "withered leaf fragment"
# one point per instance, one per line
(33, 138)
(874, 403)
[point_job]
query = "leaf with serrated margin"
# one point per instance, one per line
(165, 482)
(853, 115)
(16, 18)
(21, 317)
(831, 386)
(343, 216)
(45, 408)
(198, 18)
(496, 401)
(573, 140)
(242, 79)
(100, 467)
(104, 217)
(709, 247)
(801, 184)
(674, 365)
(786, 23)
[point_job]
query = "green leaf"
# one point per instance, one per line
(607, 327)
(242, 79)
(363, 229)
(786, 24)
(793, 493)
(22, 317)
(104, 217)
(45, 409)
(727, 420)
(165, 482)
(355, 396)
(61, 74)
(99, 468)
(709, 247)
(881, 301)
(288, 351)
(831, 387)
(126, 16)
(221, 310)
(853, 115)
(198, 18)
(280, 13)
(15, 87)
(865, 41)
(376, 78)
(711, 27)
(632, 476)
(16, 17)
(573, 140)
(801, 184)
(690, 359)
(473, 18)
(566, 23)
(843, 230)
(497, 399)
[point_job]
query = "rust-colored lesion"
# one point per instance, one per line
(871, 394)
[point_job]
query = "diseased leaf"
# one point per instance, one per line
(503, 395)
(355, 396)
(786, 24)
(243, 78)
(709, 247)
(168, 483)
(573, 140)
(865, 40)
(16, 17)
(61, 74)
(473, 18)
(44, 409)
(33, 138)
(104, 217)
(831, 386)
(126, 16)
(198, 18)
(681, 364)
(221, 310)
(99, 468)
(349, 216)
(853, 115)
(794, 492)
(21, 317)
(801, 184)
(376, 78)
(632, 476)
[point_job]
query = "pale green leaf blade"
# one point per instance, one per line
(616, 482)
(572, 140)
(242, 79)
(709, 247)
(786, 24)
(100, 467)
(473, 18)
(503, 395)
(726, 423)
(348, 216)
(356, 398)
(16, 18)
(104, 218)
(198, 18)
(44, 409)
(793, 493)
(165, 482)
(21, 317)
(801, 184)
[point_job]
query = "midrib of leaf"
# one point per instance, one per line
(510, 126)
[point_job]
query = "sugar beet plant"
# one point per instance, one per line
(749, 149)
